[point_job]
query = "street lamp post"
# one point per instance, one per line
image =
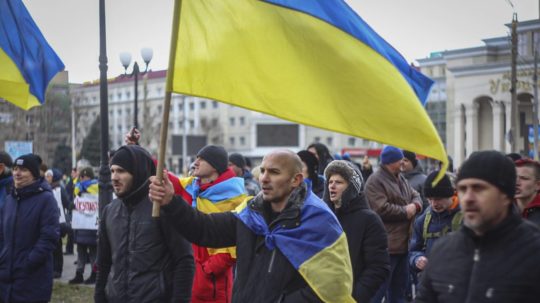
(125, 59)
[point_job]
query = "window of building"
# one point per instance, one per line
(329, 141)
(119, 95)
(214, 104)
(128, 94)
(191, 124)
(203, 105)
(231, 121)
(317, 139)
(214, 122)
(191, 106)
(242, 140)
(231, 140)
(352, 141)
(159, 90)
(119, 111)
(242, 120)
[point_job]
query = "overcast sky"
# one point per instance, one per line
(414, 27)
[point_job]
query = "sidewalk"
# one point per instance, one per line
(68, 271)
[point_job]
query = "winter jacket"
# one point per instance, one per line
(141, 259)
(416, 179)
(29, 233)
(213, 281)
(388, 196)
(368, 246)
(262, 275)
(438, 226)
(532, 211)
(6, 182)
(251, 185)
(500, 266)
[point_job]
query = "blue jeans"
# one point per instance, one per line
(394, 286)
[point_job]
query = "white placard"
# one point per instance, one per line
(85, 213)
(58, 197)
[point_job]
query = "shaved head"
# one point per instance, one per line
(290, 159)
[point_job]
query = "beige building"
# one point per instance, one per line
(206, 122)
(476, 83)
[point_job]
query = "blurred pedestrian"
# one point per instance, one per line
(310, 168)
(527, 189)
(6, 179)
(237, 163)
(321, 152)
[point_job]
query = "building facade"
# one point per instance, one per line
(476, 85)
(203, 121)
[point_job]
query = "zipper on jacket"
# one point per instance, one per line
(476, 259)
(214, 283)
(13, 238)
(128, 242)
(272, 260)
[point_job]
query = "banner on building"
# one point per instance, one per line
(85, 213)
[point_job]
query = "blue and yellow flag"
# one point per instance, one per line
(317, 248)
(314, 62)
(27, 62)
(220, 197)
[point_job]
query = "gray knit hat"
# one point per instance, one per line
(348, 171)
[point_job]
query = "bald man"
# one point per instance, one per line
(269, 230)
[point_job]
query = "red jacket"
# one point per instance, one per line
(213, 273)
(533, 205)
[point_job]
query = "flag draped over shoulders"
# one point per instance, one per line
(302, 61)
(224, 195)
(317, 248)
(27, 62)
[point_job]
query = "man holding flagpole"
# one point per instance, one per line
(283, 236)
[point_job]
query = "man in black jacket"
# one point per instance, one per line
(494, 256)
(139, 259)
(273, 232)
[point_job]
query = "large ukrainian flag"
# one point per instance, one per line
(317, 248)
(27, 62)
(314, 62)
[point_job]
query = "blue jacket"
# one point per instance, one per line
(439, 223)
(29, 233)
(6, 182)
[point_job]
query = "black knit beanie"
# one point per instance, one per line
(311, 162)
(492, 167)
(216, 156)
(123, 158)
(443, 189)
(238, 160)
(411, 157)
(30, 162)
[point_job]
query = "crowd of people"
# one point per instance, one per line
(299, 227)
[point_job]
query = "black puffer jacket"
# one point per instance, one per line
(262, 275)
(501, 266)
(366, 236)
(140, 259)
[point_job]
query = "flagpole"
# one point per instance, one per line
(167, 101)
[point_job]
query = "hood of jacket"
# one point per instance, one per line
(143, 168)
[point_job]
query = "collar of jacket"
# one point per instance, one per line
(137, 195)
(40, 185)
(290, 216)
(387, 174)
(498, 232)
(534, 204)
(415, 171)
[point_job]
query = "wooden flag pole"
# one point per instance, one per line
(167, 101)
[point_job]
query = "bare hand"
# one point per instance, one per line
(132, 137)
(161, 192)
(421, 262)
(411, 210)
